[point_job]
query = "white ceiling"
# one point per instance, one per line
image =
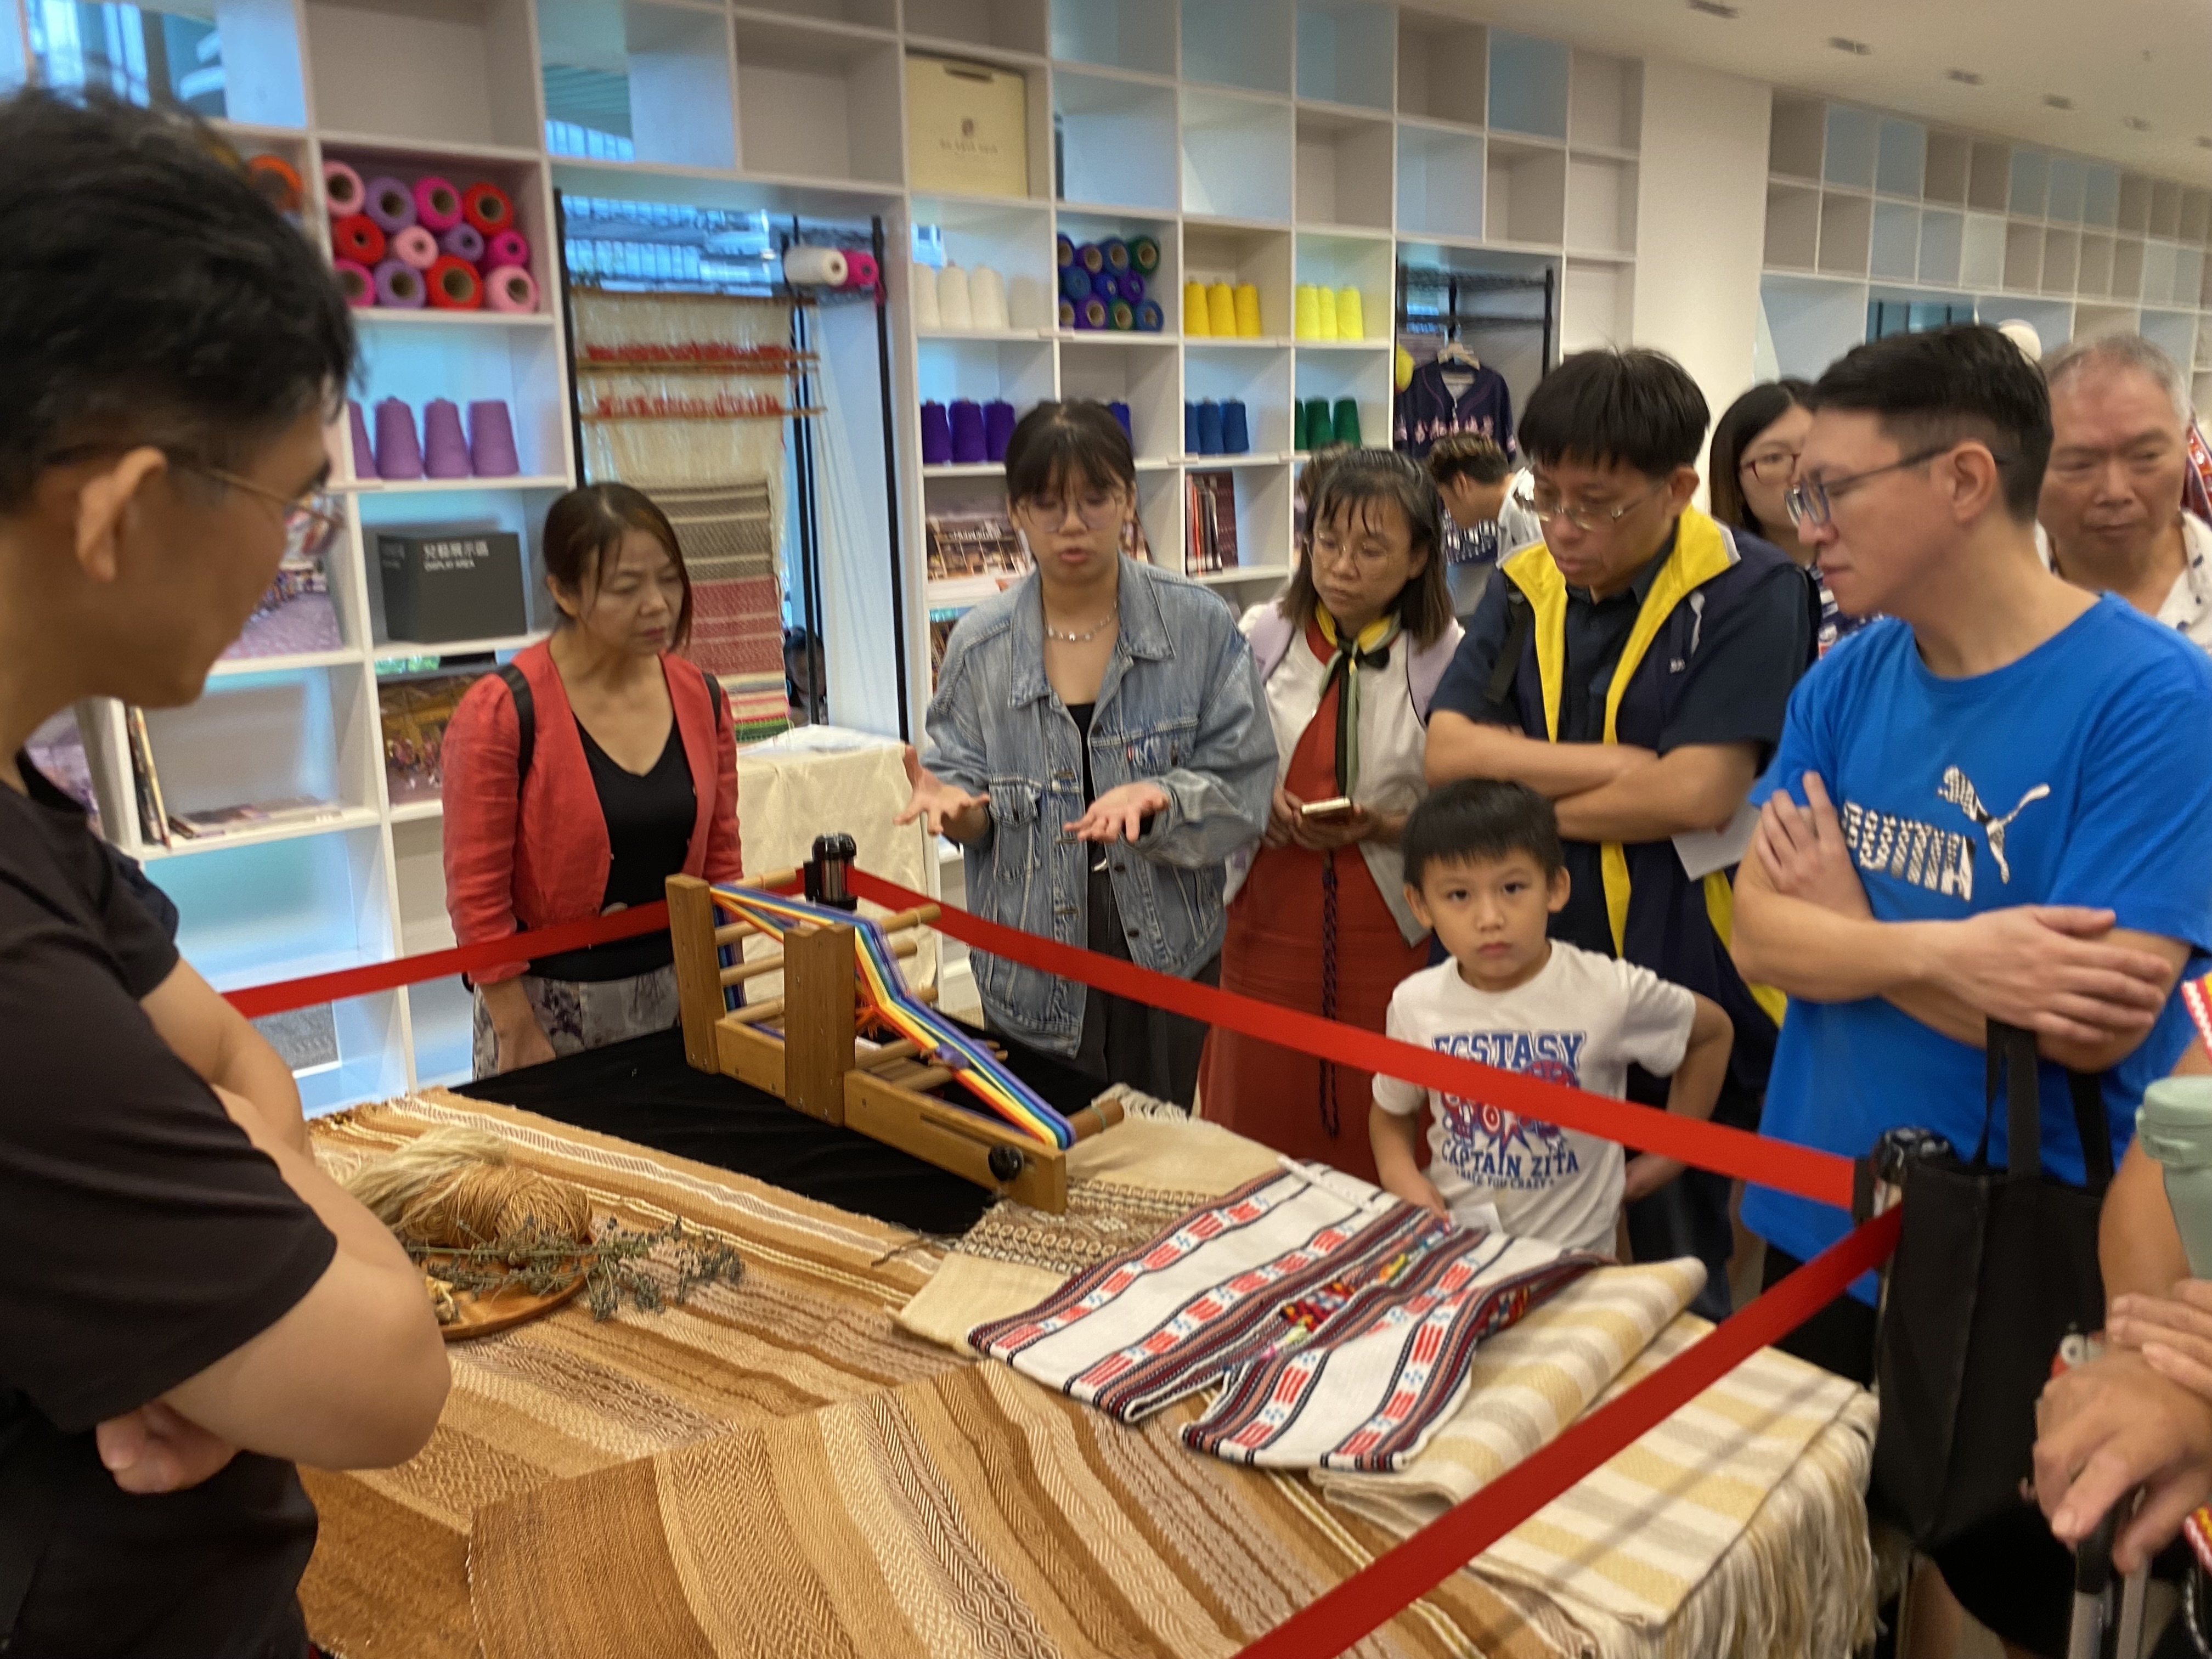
(2151, 59)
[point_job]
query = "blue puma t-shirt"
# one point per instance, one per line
(2080, 775)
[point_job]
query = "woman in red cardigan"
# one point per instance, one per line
(632, 777)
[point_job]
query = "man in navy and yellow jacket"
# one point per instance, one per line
(1634, 667)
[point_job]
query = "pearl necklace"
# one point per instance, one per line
(1085, 637)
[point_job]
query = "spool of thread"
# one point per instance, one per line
(455, 1187)
(1120, 411)
(463, 241)
(1209, 427)
(1067, 313)
(279, 182)
(921, 285)
(342, 190)
(1325, 313)
(1091, 257)
(506, 247)
(998, 428)
(417, 246)
(1150, 320)
(936, 436)
(486, 206)
(1221, 311)
(362, 461)
(511, 290)
(437, 204)
(359, 238)
(1350, 324)
(955, 299)
(1116, 254)
(399, 285)
(1145, 255)
(1305, 312)
(1347, 422)
(1074, 283)
(1120, 316)
(398, 452)
(1026, 305)
(1298, 424)
(1107, 286)
(1091, 313)
(445, 450)
(355, 281)
(390, 203)
(491, 439)
(1248, 311)
(968, 446)
(1318, 425)
(453, 285)
(860, 272)
(1063, 251)
(987, 299)
(1236, 428)
(810, 267)
(1194, 310)
(1190, 428)
(1132, 287)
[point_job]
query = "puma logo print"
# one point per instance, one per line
(1958, 789)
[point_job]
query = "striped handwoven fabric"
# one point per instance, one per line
(809, 1325)
(1339, 1319)
(728, 537)
(973, 1515)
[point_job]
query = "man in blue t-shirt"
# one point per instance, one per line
(1994, 803)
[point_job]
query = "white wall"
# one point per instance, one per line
(1701, 223)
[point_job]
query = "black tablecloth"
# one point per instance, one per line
(644, 1091)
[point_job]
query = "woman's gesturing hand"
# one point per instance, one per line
(1120, 813)
(944, 808)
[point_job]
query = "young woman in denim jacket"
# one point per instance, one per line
(1098, 747)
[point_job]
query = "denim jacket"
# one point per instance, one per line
(1179, 706)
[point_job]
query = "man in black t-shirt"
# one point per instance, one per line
(189, 1304)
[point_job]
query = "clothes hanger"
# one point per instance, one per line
(1453, 352)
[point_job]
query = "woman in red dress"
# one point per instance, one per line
(1318, 921)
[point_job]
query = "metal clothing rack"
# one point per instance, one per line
(1458, 286)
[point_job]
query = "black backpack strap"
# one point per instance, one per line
(525, 719)
(2087, 1090)
(719, 698)
(1520, 623)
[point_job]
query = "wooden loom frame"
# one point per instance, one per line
(816, 1067)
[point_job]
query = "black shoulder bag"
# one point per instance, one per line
(1996, 1266)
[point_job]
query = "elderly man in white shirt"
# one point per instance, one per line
(2111, 509)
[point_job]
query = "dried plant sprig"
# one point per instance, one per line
(538, 1265)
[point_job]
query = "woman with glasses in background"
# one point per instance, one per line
(1754, 463)
(1350, 656)
(1098, 749)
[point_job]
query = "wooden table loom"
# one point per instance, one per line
(816, 1063)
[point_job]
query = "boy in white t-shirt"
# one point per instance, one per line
(1484, 868)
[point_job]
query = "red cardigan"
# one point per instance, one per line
(513, 866)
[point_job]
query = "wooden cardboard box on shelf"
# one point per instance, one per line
(967, 127)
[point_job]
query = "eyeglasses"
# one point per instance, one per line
(1097, 510)
(1767, 469)
(311, 524)
(1813, 502)
(1326, 547)
(1591, 518)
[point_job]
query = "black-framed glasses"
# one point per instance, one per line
(1592, 518)
(1813, 502)
(311, 523)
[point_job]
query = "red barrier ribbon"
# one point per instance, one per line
(1822, 1177)
(1393, 1582)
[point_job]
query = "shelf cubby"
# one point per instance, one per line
(2051, 319)
(518, 512)
(521, 366)
(1263, 519)
(1849, 158)
(1164, 285)
(2023, 256)
(1143, 376)
(1341, 262)
(275, 910)
(441, 1016)
(1013, 26)
(2173, 332)
(1982, 254)
(2127, 269)
(2134, 204)
(1443, 67)
(1950, 161)
(2188, 275)
(2161, 261)
(1123, 35)
(1343, 169)
(1796, 137)
(423, 72)
(267, 736)
(1894, 250)
(1901, 158)
(1812, 322)
(1260, 380)
(1942, 246)
(1528, 82)
(1346, 50)
(1238, 43)
(948, 369)
(1991, 179)
(1601, 205)
(655, 78)
(1440, 174)
(1605, 102)
(2068, 200)
(1597, 305)
(2091, 320)
(1793, 226)
(1846, 232)
(1012, 238)
(1236, 156)
(2062, 260)
(817, 103)
(2165, 209)
(1364, 377)
(1118, 142)
(2096, 273)
(1525, 193)
(2029, 190)
(1235, 255)
(2196, 216)
(2100, 197)
(1159, 509)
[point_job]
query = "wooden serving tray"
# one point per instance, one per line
(502, 1310)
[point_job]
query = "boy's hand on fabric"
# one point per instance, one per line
(2172, 1334)
(2048, 968)
(153, 1449)
(1802, 850)
(1120, 813)
(1647, 1173)
(1416, 1189)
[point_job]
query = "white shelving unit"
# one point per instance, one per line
(1275, 142)
(1864, 207)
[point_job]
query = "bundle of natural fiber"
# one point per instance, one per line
(454, 1188)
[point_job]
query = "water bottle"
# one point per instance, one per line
(2175, 1127)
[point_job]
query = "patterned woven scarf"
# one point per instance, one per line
(1370, 651)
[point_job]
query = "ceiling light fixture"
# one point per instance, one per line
(1715, 8)
(1856, 48)
(2058, 101)
(1963, 77)
(2135, 124)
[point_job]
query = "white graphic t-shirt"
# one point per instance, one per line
(1583, 1020)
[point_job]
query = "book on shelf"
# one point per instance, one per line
(1210, 513)
(218, 821)
(57, 749)
(415, 715)
(962, 545)
(145, 780)
(940, 633)
(295, 616)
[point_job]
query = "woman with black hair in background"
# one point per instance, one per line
(1098, 748)
(1752, 464)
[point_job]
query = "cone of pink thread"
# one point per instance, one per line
(398, 453)
(445, 451)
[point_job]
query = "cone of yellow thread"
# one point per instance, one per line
(1248, 310)
(1221, 311)
(1305, 316)
(1349, 325)
(1194, 309)
(1325, 305)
